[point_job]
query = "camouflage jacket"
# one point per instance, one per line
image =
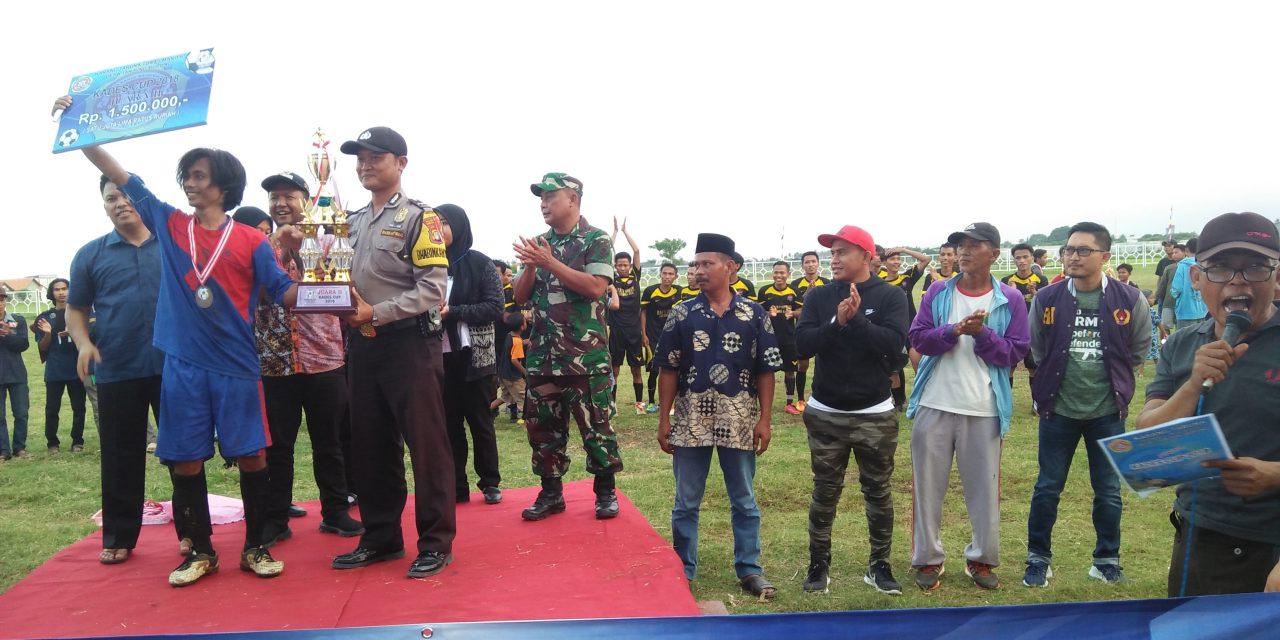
(568, 336)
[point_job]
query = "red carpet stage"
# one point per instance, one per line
(568, 566)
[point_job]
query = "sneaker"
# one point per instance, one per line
(54, 449)
(880, 576)
(77, 448)
(1038, 574)
(639, 408)
(22, 454)
(151, 447)
(981, 575)
(492, 495)
(259, 562)
(791, 409)
(818, 579)
(1108, 573)
(929, 576)
(194, 567)
(652, 408)
(800, 405)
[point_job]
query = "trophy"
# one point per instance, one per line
(326, 282)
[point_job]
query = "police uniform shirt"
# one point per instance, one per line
(399, 266)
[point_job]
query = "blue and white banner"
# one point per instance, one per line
(136, 100)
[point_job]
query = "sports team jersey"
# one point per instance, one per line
(785, 300)
(688, 294)
(744, 287)
(802, 286)
(906, 280)
(219, 338)
(1024, 286)
(656, 305)
(508, 297)
(628, 314)
(929, 279)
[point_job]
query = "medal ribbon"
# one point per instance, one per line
(202, 275)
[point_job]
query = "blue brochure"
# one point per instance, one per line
(1166, 454)
(137, 100)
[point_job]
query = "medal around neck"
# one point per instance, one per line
(204, 295)
(326, 282)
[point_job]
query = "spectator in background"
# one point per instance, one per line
(1164, 299)
(58, 352)
(809, 263)
(1123, 271)
(1188, 306)
(511, 368)
(1039, 259)
(13, 380)
(1168, 245)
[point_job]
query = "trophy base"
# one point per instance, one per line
(333, 298)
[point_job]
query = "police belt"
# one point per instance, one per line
(395, 327)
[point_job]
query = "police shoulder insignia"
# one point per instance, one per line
(429, 250)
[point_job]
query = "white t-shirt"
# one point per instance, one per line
(960, 382)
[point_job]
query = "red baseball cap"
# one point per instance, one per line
(856, 236)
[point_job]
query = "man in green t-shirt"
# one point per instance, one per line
(566, 271)
(1088, 333)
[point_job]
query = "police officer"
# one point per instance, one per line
(394, 363)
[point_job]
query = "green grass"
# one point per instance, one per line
(47, 502)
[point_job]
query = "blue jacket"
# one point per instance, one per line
(1124, 322)
(12, 369)
(1187, 303)
(1002, 344)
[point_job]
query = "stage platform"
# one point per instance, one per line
(568, 566)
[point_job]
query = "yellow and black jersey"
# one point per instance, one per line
(1026, 286)
(508, 297)
(628, 314)
(744, 287)
(784, 301)
(687, 293)
(802, 286)
(656, 305)
(906, 280)
(929, 279)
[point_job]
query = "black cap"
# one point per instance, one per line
(288, 178)
(980, 231)
(716, 243)
(379, 140)
(1247, 230)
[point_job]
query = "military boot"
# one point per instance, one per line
(606, 497)
(550, 500)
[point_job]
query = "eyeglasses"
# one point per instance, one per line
(1251, 273)
(1083, 252)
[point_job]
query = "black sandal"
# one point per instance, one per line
(757, 586)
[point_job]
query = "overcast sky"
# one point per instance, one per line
(769, 122)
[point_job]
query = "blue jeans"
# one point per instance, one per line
(20, 401)
(1059, 436)
(691, 465)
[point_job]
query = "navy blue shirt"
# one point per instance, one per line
(60, 357)
(121, 283)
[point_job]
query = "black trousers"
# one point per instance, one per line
(395, 380)
(323, 396)
(469, 399)
(1220, 563)
(53, 405)
(123, 430)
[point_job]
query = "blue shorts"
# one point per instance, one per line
(196, 403)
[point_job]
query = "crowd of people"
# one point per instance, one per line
(191, 318)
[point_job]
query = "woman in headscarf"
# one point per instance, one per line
(474, 302)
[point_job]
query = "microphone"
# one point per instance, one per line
(1237, 322)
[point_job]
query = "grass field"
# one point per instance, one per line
(47, 501)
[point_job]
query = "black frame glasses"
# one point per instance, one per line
(1221, 274)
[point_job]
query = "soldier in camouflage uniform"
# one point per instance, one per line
(567, 270)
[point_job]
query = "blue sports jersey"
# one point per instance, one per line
(219, 338)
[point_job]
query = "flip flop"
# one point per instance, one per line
(113, 556)
(757, 586)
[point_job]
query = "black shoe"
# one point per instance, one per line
(607, 506)
(462, 497)
(343, 525)
(296, 512)
(429, 564)
(492, 495)
(352, 500)
(545, 505)
(817, 580)
(362, 557)
(880, 576)
(272, 540)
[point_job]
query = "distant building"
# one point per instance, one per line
(27, 295)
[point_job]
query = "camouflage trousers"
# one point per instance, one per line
(873, 440)
(550, 401)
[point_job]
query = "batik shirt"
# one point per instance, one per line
(717, 359)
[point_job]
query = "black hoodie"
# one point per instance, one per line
(853, 361)
(476, 295)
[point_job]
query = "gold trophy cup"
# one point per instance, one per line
(326, 283)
